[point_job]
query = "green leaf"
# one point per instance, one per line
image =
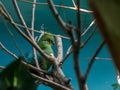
(16, 77)
(115, 86)
(107, 14)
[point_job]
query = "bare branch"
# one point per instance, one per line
(57, 16)
(35, 57)
(100, 58)
(2, 67)
(60, 75)
(69, 51)
(32, 27)
(59, 48)
(8, 51)
(59, 6)
(4, 12)
(89, 37)
(93, 59)
(51, 83)
(88, 28)
(35, 68)
(21, 18)
(78, 30)
(40, 31)
(13, 38)
(33, 17)
(74, 4)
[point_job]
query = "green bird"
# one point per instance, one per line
(45, 43)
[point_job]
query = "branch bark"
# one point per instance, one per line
(59, 48)
(4, 48)
(57, 16)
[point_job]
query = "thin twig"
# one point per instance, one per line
(74, 4)
(69, 51)
(57, 16)
(8, 51)
(21, 18)
(59, 6)
(35, 68)
(4, 12)
(2, 67)
(51, 83)
(88, 28)
(12, 35)
(89, 37)
(93, 59)
(32, 27)
(100, 58)
(65, 37)
(33, 17)
(35, 57)
(40, 31)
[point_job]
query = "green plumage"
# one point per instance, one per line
(46, 42)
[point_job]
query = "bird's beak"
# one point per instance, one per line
(51, 54)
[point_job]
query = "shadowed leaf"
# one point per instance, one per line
(16, 77)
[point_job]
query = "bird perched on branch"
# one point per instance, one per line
(45, 43)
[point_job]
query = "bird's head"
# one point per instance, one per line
(46, 40)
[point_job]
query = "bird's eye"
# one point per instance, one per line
(50, 41)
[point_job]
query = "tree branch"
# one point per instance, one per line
(33, 17)
(57, 16)
(51, 83)
(89, 37)
(21, 18)
(13, 38)
(59, 6)
(88, 28)
(35, 57)
(59, 48)
(93, 59)
(2, 67)
(69, 51)
(4, 48)
(32, 27)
